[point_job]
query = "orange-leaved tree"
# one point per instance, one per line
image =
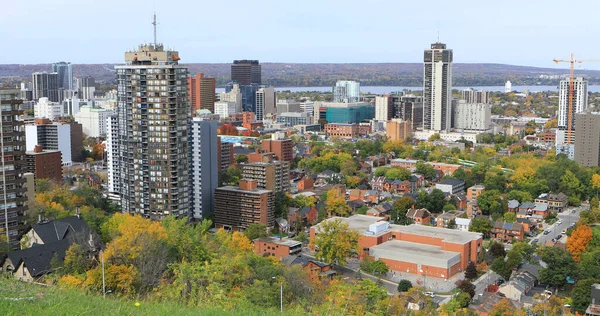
(579, 240)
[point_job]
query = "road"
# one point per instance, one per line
(566, 218)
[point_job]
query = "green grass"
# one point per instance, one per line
(42, 300)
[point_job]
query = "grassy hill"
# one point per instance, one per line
(19, 298)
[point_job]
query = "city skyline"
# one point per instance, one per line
(509, 34)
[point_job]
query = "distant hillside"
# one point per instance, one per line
(301, 75)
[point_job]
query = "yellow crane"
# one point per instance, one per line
(572, 62)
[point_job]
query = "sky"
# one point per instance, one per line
(524, 32)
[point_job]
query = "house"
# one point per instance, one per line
(276, 247)
(556, 202)
(594, 308)
(474, 191)
(451, 186)
(417, 182)
(305, 215)
(306, 183)
(541, 210)
(377, 183)
(356, 204)
(528, 226)
(461, 200)
(485, 303)
(527, 207)
(282, 225)
(504, 231)
(443, 220)
(419, 216)
(519, 285)
(329, 176)
(472, 208)
(32, 263)
(315, 269)
(382, 210)
(463, 224)
(513, 206)
(367, 196)
(50, 231)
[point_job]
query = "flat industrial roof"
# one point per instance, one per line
(279, 241)
(450, 235)
(415, 253)
(358, 222)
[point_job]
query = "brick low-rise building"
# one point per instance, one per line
(342, 130)
(44, 164)
(277, 247)
(504, 231)
(416, 249)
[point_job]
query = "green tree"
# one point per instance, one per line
(76, 260)
(380, 172)
(581, 295)
(241, 158)
(335, 242)
(282, 202)
(362, 210)
(256, 230)
(496, 250)
(502, 268)
(425, 169)
(336, 204)
(466, 286)
(510, 217)
(570, 185)
(489, 201)
(399, 209)
(481, 225)
(375, 267)
(397, 174)
(404, 285)
(521, 196)
(559, 265)
(471, 271)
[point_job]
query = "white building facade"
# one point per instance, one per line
(46, 109)
(235, 96)
(112, 155)
(437, 88)
(93, 120)
(383, 108)
(203, 167)
(55, 136)
(566, 121)
(472, 116)
(225, 109)
(346, 91)
(265, 103)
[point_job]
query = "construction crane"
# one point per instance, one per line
(570, 111)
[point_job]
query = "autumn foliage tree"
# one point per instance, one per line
(579, 240)
(335, 242)
(228, 129)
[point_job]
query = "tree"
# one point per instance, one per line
(241, 158)
(559, 266)
(362, 210)
(404, 285)
(76, 260)
(452, 223)
(595, 182)
(510, 217)
(434, 137)
(481, 225)
(380, 172)
(502, 268)
(570, 185)
(466, 286)
(496, 250)
(98, 151)
(579, 240)
(581, 295)
(348, 167)
(397, 174)
(399, 209)
(425, 169)
(489, 201)
(228, 129)
(256, 230)
(377, 266)
(336, 204)
(521, 196)
(503, 308)
(471, 271)
(335, 242)
(282, 202)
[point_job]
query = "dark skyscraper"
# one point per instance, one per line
(246, 72)
(45, 85)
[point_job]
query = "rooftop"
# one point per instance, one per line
(358, 222)
(449, 235)
(452, 182)
(279, 241)
(415, 253)
(237, 189)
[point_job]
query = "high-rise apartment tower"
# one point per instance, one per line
(437, 88)
(246, 72)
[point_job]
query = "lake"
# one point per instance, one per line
(390, 89)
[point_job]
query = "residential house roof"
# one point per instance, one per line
(38, 259)
(540, 207)
(463, 221)
(527, 205)
(508, 226)
(59, 229)
(513, 203)
(417, 213)
(452, 182)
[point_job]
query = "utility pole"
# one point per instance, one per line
(281, 296)
(103, 282)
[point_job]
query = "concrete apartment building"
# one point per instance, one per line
(416, 249)
(265, 103)
(238, 207)
(93, 120)
(276, 247)
(87, 87)
(112, 156)
(224, 109)
(13, 190)
(342, 130)
(45, 85)
(437, 88)
(472, 116)
(234, 95)
(153, 116)
(64, 71)
(46, 109)
(294, 118)
(471, 95)
(225, 154)
(587, 139)
(44, 164)
(346, 91)
(201, 91)
(64, 137)
(579, 105)
(384, 108)
(283, 148)
(408, 108)
(474, 191)
(204, 173)
(273, 175)
(398, 129)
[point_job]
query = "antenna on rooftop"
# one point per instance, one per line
(437, 40)
(154, 24)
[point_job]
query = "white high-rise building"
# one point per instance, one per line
(153, 122)
(265, 103)
(235, 96)
(112, 155)
(46, 109)
(472, 116)
(566, 121)
(225, 109)
(308, 107)
(384, 108)
(93, 120)
(508, 87)
(437, 88)
(53, 136)
(346, 91)
(203, 167)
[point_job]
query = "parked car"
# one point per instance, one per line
(564, 231)
(553, 240)
(499, 281)
(559, 222)
(573, 211)
(546, 232)
(535, 241)
(559, 236)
